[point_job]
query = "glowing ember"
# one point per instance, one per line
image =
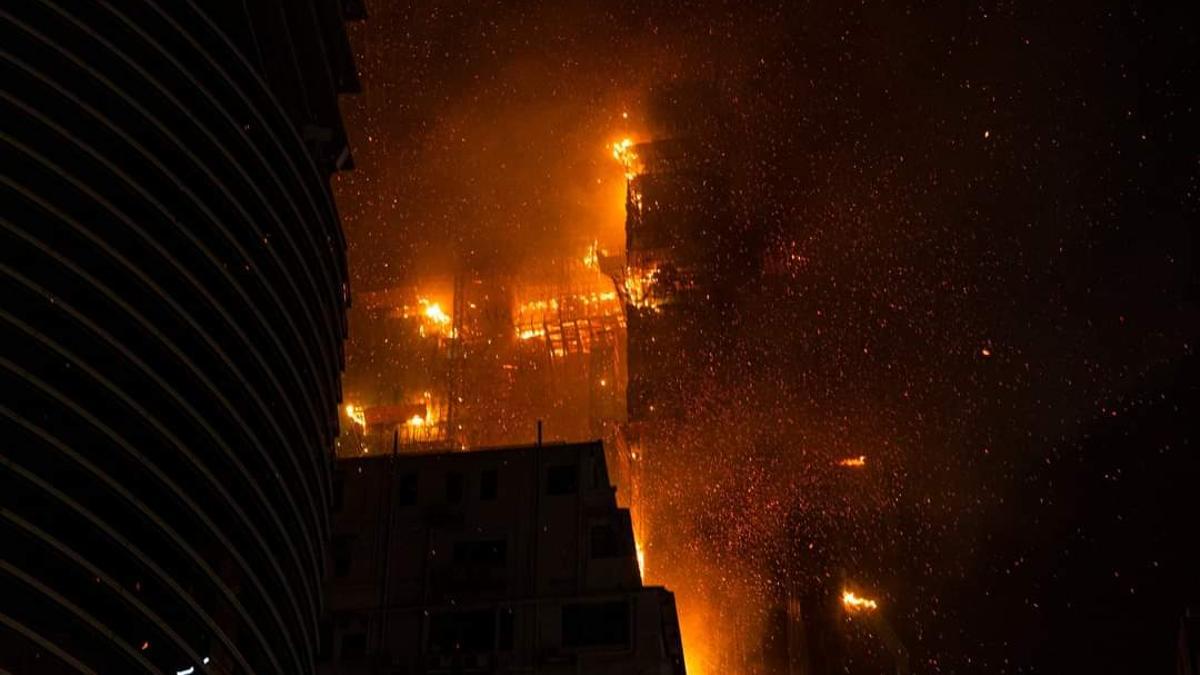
(854, 462)
(416, 421)
(856, 604)
(531, 333)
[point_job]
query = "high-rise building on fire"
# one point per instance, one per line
(687, 253)
(174, 312)
(513, 560)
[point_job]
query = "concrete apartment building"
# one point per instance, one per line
(513, 560)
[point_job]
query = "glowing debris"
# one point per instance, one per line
(854, 603)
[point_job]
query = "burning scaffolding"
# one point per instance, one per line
(472, 360)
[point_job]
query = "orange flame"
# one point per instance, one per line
(623, 152)
(591, 259)
(357, 415)
(639, 284)
(856, 604)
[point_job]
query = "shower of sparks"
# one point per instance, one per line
(941, 264)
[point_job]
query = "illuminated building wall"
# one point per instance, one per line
(175, 291)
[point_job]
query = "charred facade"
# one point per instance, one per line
(687, 253)
(175, 291)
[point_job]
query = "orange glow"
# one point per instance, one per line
(416, 421)
(856, 604)
(591, 259)
(357, 415)
(433, 312)
(854, 462)
(639, 286)
(623, 152)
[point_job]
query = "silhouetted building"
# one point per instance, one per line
(1189, 643)
(174, 312)
(687, 254)
(512, 560)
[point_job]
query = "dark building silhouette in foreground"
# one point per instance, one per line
(1189, 643)
(174, 298)
(498, 561)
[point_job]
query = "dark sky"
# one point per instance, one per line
(983, 222)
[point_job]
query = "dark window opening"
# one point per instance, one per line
(339, 490)
(463, 632)
(488, 485)
(406, 491)
(325, 641)
(604, 624)
(491, 552)
(505, 639)
(343, 555)
(454, 487)
(562, 480)
(354, 645)
(607, 542)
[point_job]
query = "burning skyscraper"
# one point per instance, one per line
(686, 252)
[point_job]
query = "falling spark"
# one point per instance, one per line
(855, 462)
(853, 603)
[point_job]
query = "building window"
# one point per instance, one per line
(339, 490)
(599, 624)
(607, 542)
(488, 552)
(470, 632)
(504, 641)
(562, 480)
(488, 485)
(354, 646)
(454, 487)
(406, 491)
(343, 555)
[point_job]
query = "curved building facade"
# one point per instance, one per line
(174, 284)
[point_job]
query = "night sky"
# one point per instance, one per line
(978, 226)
